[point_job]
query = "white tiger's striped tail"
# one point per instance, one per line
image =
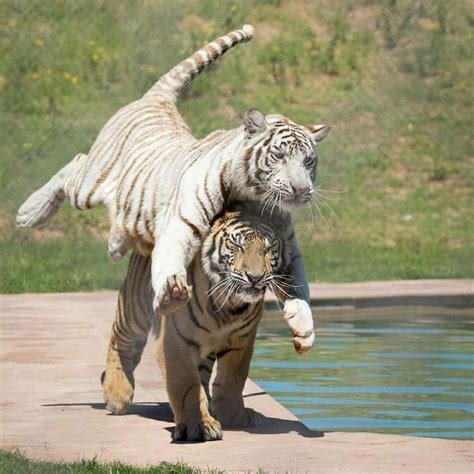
(171, 84)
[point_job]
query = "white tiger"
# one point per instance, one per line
(163, 187)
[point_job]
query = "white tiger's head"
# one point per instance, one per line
(242, 256)
(280, 161)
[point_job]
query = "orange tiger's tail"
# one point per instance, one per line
(173, 82)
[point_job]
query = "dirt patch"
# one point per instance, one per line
(41, 235)
(5, 222)
(266, 32)
(363, 17)
(100, 234)
(307, 12)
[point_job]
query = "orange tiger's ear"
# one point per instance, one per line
(254, 123)
(319, 132)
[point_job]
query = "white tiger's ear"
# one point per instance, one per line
(254, 123)
(319, 132)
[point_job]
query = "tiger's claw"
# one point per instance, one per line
(176, 292)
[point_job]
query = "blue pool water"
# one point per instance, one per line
(406, 373)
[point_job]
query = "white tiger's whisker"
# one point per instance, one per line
(325, 204)
(320, 213)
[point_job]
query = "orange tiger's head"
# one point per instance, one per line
(243, 255)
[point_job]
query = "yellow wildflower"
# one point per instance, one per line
(38, 42)
(276, 49)
(95, 57)
(207, 28)
(431, 26)
(233, 7)
(27, 146)
(74, 80)
(67, 75)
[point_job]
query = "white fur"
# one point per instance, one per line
(150, 171)
(297, 314)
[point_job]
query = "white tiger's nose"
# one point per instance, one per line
(300, 191)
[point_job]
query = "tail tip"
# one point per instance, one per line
(249, 30)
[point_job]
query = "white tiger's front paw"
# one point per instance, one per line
(173, 294)
(300, 319)
(118, 247)
(304, 343)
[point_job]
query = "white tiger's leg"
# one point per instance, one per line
(171, 256)
(118, 245)
(297, 314)
(45, 202)
(296, 310)
(129, 335)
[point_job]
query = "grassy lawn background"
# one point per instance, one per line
(392, 78)
(15, 462)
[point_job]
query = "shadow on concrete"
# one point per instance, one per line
(152, 410)
(162, 412)
(270, 425)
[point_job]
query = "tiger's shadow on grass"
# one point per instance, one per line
(161, 411)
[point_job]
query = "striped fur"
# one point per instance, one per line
(241, 257)
(163, 187)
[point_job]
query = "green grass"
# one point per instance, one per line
(15, 462)
(392, 79)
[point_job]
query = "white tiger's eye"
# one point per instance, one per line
(309, 161)
(279, 155)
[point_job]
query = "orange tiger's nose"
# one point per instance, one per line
(253, 279)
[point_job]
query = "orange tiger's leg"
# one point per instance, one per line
(227, 403)
(129, 335)
(179, 361)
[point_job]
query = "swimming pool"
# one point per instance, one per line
(409, 372)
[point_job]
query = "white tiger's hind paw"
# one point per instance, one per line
(39, 207)
(118, 247)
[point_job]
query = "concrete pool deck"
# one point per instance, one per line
(52, 352)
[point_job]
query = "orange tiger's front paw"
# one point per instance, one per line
(175, 293)
(209, 429)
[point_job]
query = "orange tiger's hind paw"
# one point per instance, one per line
(118, 391)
